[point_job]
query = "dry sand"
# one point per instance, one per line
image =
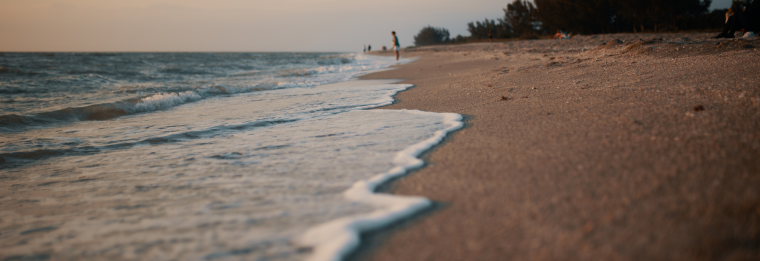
(587, 149)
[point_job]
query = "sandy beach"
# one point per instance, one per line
(604, 147)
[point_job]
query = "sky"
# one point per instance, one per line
(231, 25)
(720, 4)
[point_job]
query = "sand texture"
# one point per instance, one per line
(602, 147)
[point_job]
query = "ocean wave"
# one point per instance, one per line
(248, 73)
(13, 159)
(155, 96)
(336, 59)
(14, 91)
(296, 72)
(107, 111)
(327, 64)
(93, 112)
(164, 100)
(327, 69)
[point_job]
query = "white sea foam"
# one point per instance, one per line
(244, 194)
(164, 83)
(165, 100)
(321, 75)
(234, 177)
(333, 240)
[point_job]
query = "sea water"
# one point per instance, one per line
(200, 156)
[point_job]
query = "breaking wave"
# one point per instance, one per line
(7, 159)
(107, 111)
(88, 95)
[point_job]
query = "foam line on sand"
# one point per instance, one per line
(335, 239)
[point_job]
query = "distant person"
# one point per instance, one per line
(384, 48)
(490, 37)
(369, 48)
(365, 48)
(396, 46)
(747, 20)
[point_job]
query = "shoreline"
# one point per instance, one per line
(51, 206)
(585, 149)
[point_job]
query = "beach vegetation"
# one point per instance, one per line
(657, 15)
(521, 18)
(459, 39)
(740, 4)
(608, 16)
(538, 18)
(431, 35)
(580, 17)
(479, 30)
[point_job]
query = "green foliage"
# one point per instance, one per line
(657, 14)
(430, 35)
(608, 16)
(522, 19)
(479, 30)
(712, 20)
(578, 16)
(459, 39)
(738, 5)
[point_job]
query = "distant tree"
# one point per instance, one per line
(525, 18)
(430, 35)
(479, 30)
(675, 9)
(712, 20)
(578, 16)
(521, 17)
(738, 5)
(657, 14)
(607, 16)
(459, 39)
(695, 15)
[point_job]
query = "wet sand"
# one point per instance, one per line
(587, 149)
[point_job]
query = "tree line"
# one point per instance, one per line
(526, 20)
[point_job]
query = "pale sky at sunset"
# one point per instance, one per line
(230, 25)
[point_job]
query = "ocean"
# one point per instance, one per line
(201, 156)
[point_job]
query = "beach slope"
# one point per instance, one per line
(607, 147)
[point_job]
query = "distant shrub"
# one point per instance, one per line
(530, 19)
(430, 35)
